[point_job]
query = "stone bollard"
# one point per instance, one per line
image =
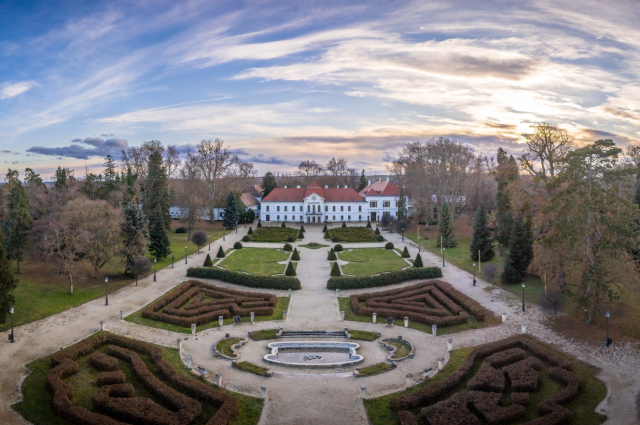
(374, 316)
(101, 325)
(189, 360)
(179, 344)
(234, 363)
(504, 317)
(449, 344)
(363, 391)
(263, 392)
(441, 363)
(289, 292)
(193, 329)
(409, 380)
(121, 314)
(406, 322)
(220, 320)
(252, 316)
(218, 380)
(337, 293)
(434, 329)
(342, 315)
(250, 333)
(524, 328)
(284, 314)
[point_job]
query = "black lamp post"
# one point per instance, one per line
(236, 227)
(172, 257)
(608, 339)
(209, 242)
(443, 249)
(474, 274)
(185, 254)
(106, 291)
(523, 297)
(403, 234)
(419, 250)
(154, 269)
(11, 339)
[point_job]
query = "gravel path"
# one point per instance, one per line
(311, 396)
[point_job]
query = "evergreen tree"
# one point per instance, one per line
(259, 224)
(517, 261)
(324, 229)
(268, 183)
(302, 228)
(335, 269)
(504, 220)
(296, 255)
(290, 271)
(344, 225)
(363, 181)
(369, 223)
(208, 262)
(159, 244)
(110, 175)
(332, 255)
(231, 215)
(402, 206)
(405, 253)
(527, 217)
(221, 253)
(377, 232)
(418, 261)
(61, 179)
(17, 221)
(300, 235)
(446, 232)
(129, 189)
(155, 194)
(250, 232)
(283, 225)
(7, 283)
(482, 240)
(134, 235)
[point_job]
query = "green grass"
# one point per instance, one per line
(370, 261)
(583, 407)
(259, 261)
(274, 234)
(264, 334)
(224, 346)
(363, 335)
(313, 245)
(37, 404)
(375, 369)
(283, 304)
(252, 368)
(351, 234)
(350, 315)
(402, 348)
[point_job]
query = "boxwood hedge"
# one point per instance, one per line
(384, 279)
(244, 279)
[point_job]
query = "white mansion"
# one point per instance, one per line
(315, 204)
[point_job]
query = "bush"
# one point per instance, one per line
(291, 239)
(244, 279)
(324, 229)
(369, 224)
(377, 232)
(221, 253)
(337, 248)
(380, 238)
(208, 262)
(335, 239)
(301, 235)
(245, 238)
(344, 225)
(259, 224)
(302, 228)
(351, 234)
(290, 271)
(418, 261)
(182, 229)
(287, 247)
(332, 255)
(335, 269)
(199, 237)
(389, 245)
(405, 253)
(384, 279)
(296, 255)
(283, 225)
(237, 245)
(250, 232)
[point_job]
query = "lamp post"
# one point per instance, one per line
(106, 291)
(154, 269)
(11, 336)
(606, 345)
(172, 257)
(523, 297)
(185, 254)
(474, 274)
(209, 242)
(419, 250)
(403, 234)
(236, 227)
(443, 249)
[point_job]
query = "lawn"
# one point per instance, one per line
(224, 346)
(402, 348)
(274, 234)
(283, 304)
(252, 368)
(363, 335)
(260, 261)
(352, 234)
(37, 405)
(375, 369)
(583, 407)
(370, 261)
(264, 334)
(313, 245)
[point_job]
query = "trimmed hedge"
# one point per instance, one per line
(245, 238)
(388, 245)
(103, 362)
(207, 262)
(338, 248)
(287, 247)
(182, 229)
(250, 232)
(237, 245)
(296, 255)
(244, 279)
(290, 270)
(384, 279)
(221, 253)
(335, 270)
(405, 253)
(417, 263)
(324, 229)
(332, 255)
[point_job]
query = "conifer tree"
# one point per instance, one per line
(418, 261)
(335, 270)
(220, 253)
(268, 183)
(527, 217)
(250, 232)
(446, 232)
(504, 220)
(259, 224)
(482, 241)
(155, 192)
(7, 283)
(363, 181)
(159, 244)
(332, 255)
(110, 175)
(283, 225)
(369, 223)
(208, 262)
(129, 182)
(61, 179)
(324, 229)
(405, 253)
(134, 233)
(296, 255)
(17, 221)
(231, 214)
(344, 225)
(517, 260)
(302, 228)
(377, 232)
(300, 235)
(402, 206)
(290, 271)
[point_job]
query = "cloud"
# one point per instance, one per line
(263, 159)
(4, 151)
(239, 151)
(9, 90)
(99, 148)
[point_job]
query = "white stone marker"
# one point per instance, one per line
(263, 392)
(252, 316)
(220, 320)
(504, 317)
(337, 293)
(406, 322)
(193, 329)
(284, 314)
(189, 359)
(434, 329)
(363, 391)
(289, 292)
(409, 380)
(218, 379)
(121, 315)
(342, 315)
(374, 316)
(524, 328)
(441, 363)
(179, 344)
(449, 344)
(101, 325)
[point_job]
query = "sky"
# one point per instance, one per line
(283, 81)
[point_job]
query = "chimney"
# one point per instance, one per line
(285, 186)
(369, 183)
(346, 187)
(379, 179)
(298, 186)
(387, 179)
(326, 186)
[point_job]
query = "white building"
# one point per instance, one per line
(383, 198)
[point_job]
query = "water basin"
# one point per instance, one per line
(314, 353)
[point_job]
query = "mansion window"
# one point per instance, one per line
(386, 213)
(349, 208)
(386, 204)
(278, 218)
(268, 217)
(334, 217)
(326, 207)
(341, 208)
(285, 217)
(278, 208)
(341, 217)
(349, 218)
(285, 208)
(308, 208)
(326, 218)
(373, 204)
(267, 209)
(359, 208)
(397, 204)
(334, 208)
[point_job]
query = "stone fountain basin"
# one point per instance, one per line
(314, 353)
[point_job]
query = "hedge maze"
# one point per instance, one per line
(171, 398)
(432, 303)
(199, 302)
(493, 386)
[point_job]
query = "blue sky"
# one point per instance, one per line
(285, 81)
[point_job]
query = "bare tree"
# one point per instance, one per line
(309, 170)
(171, 160)
(190, 194)
(490, 272)
(199, 238)
(547, 146)
(481, 187)
(64, 244)
(215, 163)
(336, 168)
(140, 266)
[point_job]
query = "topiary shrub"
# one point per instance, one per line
(302, 228)
(369, 224)
(259, 224)
(245, 279)
(220, 253)
(291, 239)
(332, 255)
(335, 270)
(300, 235)
(208, 262)
(335, 239)
(182, 230)
(237, 245)
(344, 225)
(296, 255)
(245, 238)
(324, 229)
(283, 225)
(418, 261)
(383, 279)
(337, 248)
(405, 253)
(250, 232)
(290, 271)
(388, 245)
(380, 238)
(287, 247)
(377, 232)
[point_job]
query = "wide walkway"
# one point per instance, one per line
(316, 398)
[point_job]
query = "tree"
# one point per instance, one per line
(482, 241)
(335, 269)
(251, 215)
(405, 253)
(159, 244)
(418, 261)
(191, 194)
(37, 191)
(296, 255)
(363, 181)
(324, 229)
(250, 232)
(547, 146)
(199, 238)
(332, 255)
(527, 217)
(259, 224)
(155, 193)
(290, 271)
(140, 266)
(221, 253)
(302, 228)
(268, 183)
(402, 206)
(208, 262)
(64, 243)
(17, 221)
(490, 272)
(129, 188)
(231, 214)
(516, 263)
(506, 171)
(110, 175)
(134, 232)
(61, 179)
(368, 224)
(7, 283)
(446, 232)
(309, 169)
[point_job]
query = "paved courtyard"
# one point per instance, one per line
(317, 396)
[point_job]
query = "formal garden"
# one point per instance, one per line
(258, 261)
(273, 234)
(370, 261)
(353, 234)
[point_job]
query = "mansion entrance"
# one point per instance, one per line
(373, 216)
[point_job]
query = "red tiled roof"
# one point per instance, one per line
(381, 188)
(328, 194)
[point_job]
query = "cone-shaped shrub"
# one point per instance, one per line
(324, 229)
(259, 223)
(344, 224)
(237, 245)
(296, 255)
(302, 228)
(283, 225)
(250, 232)
(418, 261)
(220, 253)
(335, 270)
(300, 235)
(377, 232)
(369, 224)
(207, 261)
(405, 253)
(290, 270)
(287, 247)
(332, 255)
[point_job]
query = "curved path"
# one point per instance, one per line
(315, 397)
